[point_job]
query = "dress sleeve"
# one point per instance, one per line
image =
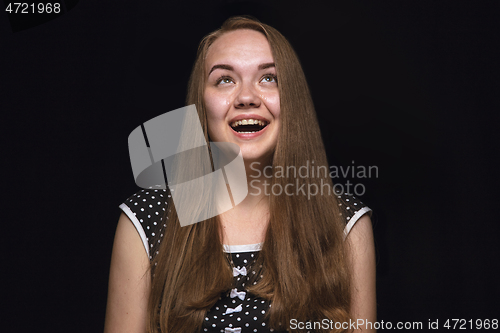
(146, 210)
(351, 210)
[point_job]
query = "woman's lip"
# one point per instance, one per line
(248, 136)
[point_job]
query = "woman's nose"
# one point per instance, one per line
(247, 97)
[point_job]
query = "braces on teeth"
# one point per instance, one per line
(248, 122)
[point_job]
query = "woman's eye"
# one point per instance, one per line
(224, 80)
(269, 78)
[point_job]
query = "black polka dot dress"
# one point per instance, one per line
(237, 310)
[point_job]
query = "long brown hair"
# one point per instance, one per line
(304, 268)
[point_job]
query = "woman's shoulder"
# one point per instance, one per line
(351, 209)
(146, 210)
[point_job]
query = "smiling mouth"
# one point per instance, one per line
(248, 125)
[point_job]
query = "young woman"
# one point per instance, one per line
(283, 259)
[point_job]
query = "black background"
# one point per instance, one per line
(407, 86)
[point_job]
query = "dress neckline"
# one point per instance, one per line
(242, 248)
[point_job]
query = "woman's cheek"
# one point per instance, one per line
(217, 104)
(208, 100)
(273, 103)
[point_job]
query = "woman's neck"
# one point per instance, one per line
(247, 222)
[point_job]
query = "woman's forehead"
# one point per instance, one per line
(242, 46)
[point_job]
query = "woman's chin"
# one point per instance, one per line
(257, 161)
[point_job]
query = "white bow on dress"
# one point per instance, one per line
(239, 294)
(242, 271)
(232, 330)
(236, 309)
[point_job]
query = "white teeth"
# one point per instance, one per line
(244, 122)
(250, 121)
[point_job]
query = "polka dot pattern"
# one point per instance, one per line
(350, 205)
(148, 207)
(237, 310)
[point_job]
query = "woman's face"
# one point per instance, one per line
(241, 94)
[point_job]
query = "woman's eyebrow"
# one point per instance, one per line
(221, 66)
(266, 65)
(230, 68)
